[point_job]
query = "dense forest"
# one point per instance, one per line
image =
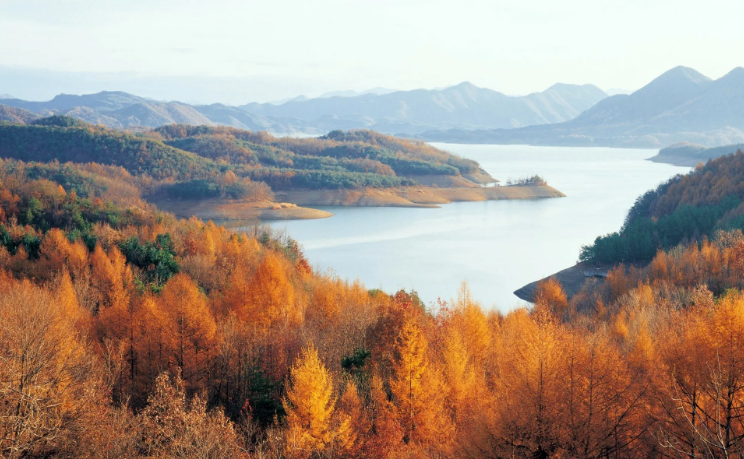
(203, 162)
(127, 333)
(686, 208)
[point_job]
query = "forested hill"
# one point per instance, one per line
(685, 208)
(16, 115)
(690, 154)
(198, 157)
(64, 139)
(355, 151)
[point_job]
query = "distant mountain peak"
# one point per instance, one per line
(377, 91)
(681, 73)
(737, 75)
(558, 87)
(464, 85)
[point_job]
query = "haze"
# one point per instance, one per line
(236, 52)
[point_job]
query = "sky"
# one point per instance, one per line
(240, 51)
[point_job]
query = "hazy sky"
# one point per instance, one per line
(240, 51)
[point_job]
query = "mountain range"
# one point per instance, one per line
(464, 106)
(681, 105)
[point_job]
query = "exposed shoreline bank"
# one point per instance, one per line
(572, 279)
(420, 196)
(298, 204)
(227, 209)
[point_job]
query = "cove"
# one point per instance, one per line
(494, 246)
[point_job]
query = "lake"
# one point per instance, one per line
(494, 246)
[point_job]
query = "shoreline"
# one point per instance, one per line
(676, 160)
(572, 279)
(226, 210)
(299, 204)
(417, 196)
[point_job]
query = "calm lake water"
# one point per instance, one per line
(495, 246)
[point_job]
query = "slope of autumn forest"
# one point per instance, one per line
(683, 209)
(190, 161)
(127, 333)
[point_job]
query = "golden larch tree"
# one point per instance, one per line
(191, 324)
(310, 406)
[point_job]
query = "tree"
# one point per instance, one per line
(458, 374)
(385, 437)
(111, 276)
(409, 368)
(192, 327)
(171, 426)
(703, 386)
(310, 406)
(49, 387)
(269, 297)
(549, 294)
(417, 392)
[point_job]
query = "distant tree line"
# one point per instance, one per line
(535, 180)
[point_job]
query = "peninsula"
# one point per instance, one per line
(225, 173)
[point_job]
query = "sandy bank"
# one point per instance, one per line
(227, 209)
(418, 196)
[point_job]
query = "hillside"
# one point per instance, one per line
(16, 115)
(681, 105)
(66, 139)
(182, 153)
(686, 208)
(462, 106)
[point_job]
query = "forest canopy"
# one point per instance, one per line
(127, 333)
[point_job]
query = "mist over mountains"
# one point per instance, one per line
(681, 105)
(464, 106)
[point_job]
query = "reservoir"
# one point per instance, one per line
(494, 246)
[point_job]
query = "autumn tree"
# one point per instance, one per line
(267, 297)
(191, 327)
(385, 436)
(549, 294)
(417, 390)
(310, 407)
(48, 381)
(172, 426)
(703, 393)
